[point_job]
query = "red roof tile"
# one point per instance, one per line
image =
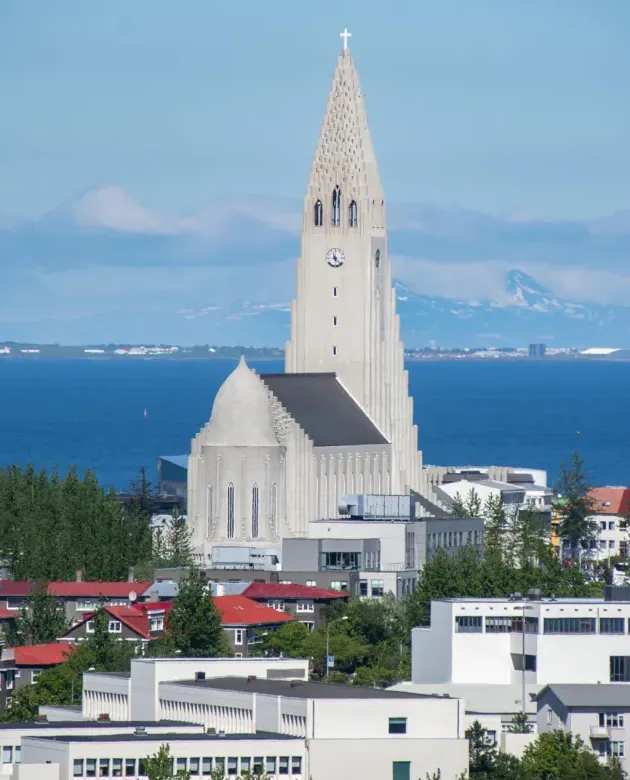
(132, 617)
(611, 500)
(275, 590)
(6, 614)
(97, 589)
(15, 588)
(241, 611)
(42, 655)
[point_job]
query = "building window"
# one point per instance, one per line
(115, 627)
(90, 767)
(550, 717)
(270, 765)
(334, 351)
(305, 606)
(530, 662)
(232, 765)
(616, 625)
(219, 764)
(377, 258)
(468, 624)
(334, 292)
(308, 624)
(340, 560)
(618, 749)
(507, 625)
(363, 588)
(278, 605)
(85, 605)
(335, 321)
(339, 585)
(7, 755)
(103, 767)
(611, 525)
(89, 627)
(283, 765)
(336, 207)
(156, 624)
(209, 498)
(206, 766)
(296, 765)
(401, 770)
(398, 725)
(255, 503)
(613, 720)
(14, 603)
(378, 588)
(238, 636)
(117, 764)
(130, 767)
(230, 511)
(17, 755)
(35, 675)
(193, 767)
(319, 214)
(311, 583)
(353, 219)
(569, 625)
(620, 668)
(245, 765)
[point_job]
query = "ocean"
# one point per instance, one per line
(90, 413)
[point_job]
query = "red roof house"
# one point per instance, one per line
(242, 611)
(611, 500)
(290, 592)
(41, 655)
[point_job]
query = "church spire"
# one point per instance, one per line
(344, 156)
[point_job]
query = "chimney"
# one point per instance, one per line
(251, 677)
(79, 575)
(104, 716)
(131, 577)
(42, 719)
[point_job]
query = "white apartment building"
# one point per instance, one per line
(612, 506)
(12, 735)
(486, 641)
(513, 496)
(599, 714)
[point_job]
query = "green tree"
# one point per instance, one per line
(178, 542)
(482, 751)
(575, 506)
(529, 536)
(495, 527)
(520, 724)
(159, 766)
(194, 623)
(473, 504)
(41, 621)
(561, 755)
(458, 508)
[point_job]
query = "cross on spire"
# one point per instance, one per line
(345, 35)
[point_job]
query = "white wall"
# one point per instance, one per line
(391, 535)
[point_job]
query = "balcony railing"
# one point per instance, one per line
(600, 732)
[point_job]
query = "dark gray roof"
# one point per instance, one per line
(592, 696)
(324, 409)
(299, 690)
(90, 724)
(167, 737)
(516, 477)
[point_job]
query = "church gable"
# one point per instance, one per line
(324, 409)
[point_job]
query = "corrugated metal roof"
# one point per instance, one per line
(594, 696)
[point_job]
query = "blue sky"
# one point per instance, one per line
(496, 105)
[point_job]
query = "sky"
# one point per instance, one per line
(502, 106)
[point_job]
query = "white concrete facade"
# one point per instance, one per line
(480, 641)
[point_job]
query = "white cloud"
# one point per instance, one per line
(113, 208)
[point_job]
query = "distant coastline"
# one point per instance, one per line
(26, 351)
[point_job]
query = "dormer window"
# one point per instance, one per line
(336, 207)
(353, 219)
(319, 214)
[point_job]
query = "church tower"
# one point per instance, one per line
(343, 319)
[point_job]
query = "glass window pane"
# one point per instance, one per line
(283, 765)
(103, 767)
(245, 765)
(296, 765)
(270, 765)
(193, 767)
(232, 764)
(116, 767)
(206, 765)
(90, 767)
(130, 767)
(7, 755)
(182, 764)
(78, 767)
(398, 725)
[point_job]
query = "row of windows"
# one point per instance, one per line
(376, 588)
(335, 221)
(232, 766)
(474, 624)
(620, 668)
(612, 720)
(608, 749)
(454, 539)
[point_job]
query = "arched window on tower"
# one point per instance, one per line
(353, 219)
(336, 207)
(255, 504)
(230, 511)
(319, 214)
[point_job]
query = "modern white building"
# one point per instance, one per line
(486, 641)
(599, 714)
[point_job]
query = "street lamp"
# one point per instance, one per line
(74, 677)
(338, 620)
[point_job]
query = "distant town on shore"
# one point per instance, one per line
(10, 350)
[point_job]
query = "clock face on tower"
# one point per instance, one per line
(335, 258)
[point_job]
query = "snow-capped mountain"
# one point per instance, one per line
(528, 312)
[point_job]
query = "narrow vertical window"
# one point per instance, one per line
(274, 505)
(336, 207)
(377, 258)
(230, 511)
(352, 214)
(209, 511)
(255, 503)
(335, 321)
(319, 214)
(334, 292)
(334, 350)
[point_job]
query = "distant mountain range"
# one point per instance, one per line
(104, 268)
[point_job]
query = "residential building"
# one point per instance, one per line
(612, 511)
(22, 666)
(536, 642)
(513, 496)
(599, 714)
(12, 735)
(246, 621)
(305, 603)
